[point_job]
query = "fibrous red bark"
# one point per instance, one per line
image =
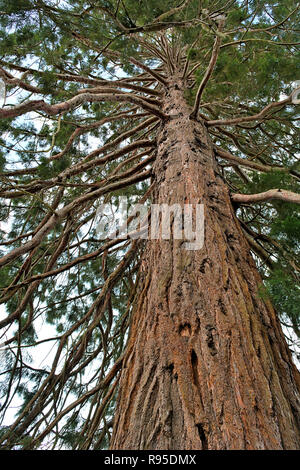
(207, 365)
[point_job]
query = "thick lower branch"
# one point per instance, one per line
(280, 194)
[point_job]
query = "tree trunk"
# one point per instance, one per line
(207, 365)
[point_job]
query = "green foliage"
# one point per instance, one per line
(48, 82)
(285, 294)
(264, 181)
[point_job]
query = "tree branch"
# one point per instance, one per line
(61, 213)
(260, 115)
(51, 110)
(209, 70)
(248, 163)
(156, 75)
(280, 194)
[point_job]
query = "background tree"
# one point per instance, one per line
(102, 99)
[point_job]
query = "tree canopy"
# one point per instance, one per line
(81, 83)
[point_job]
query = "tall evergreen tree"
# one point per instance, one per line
(149, 345)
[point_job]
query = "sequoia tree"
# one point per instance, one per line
(135, 341)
